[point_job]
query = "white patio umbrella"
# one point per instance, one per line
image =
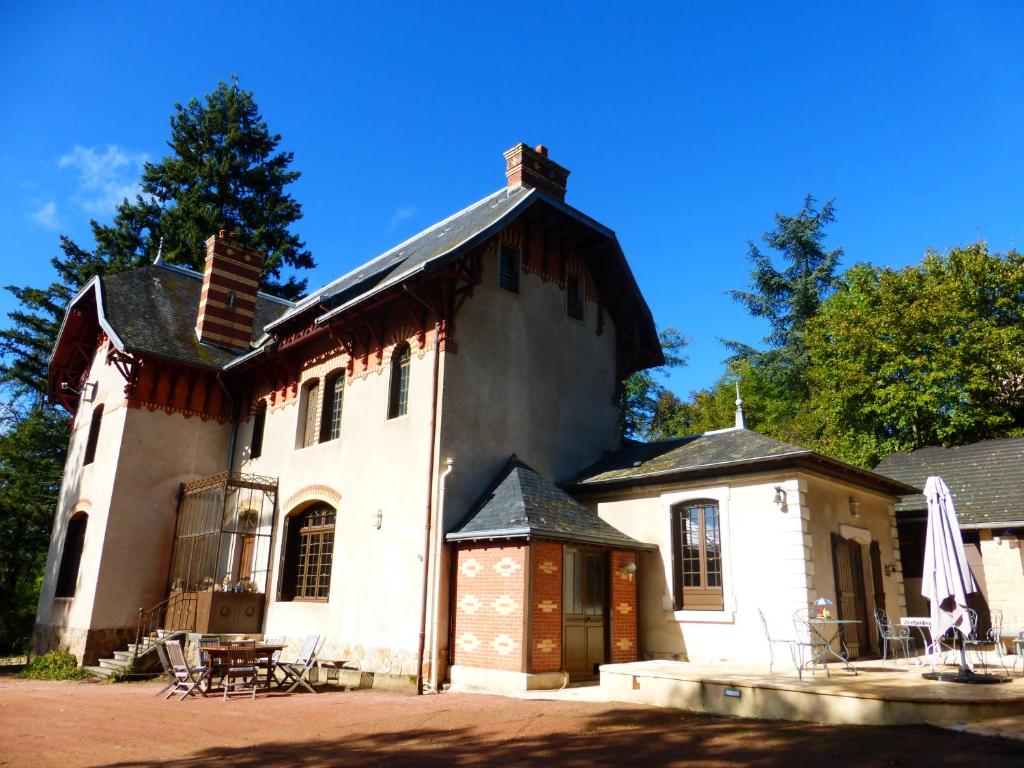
(947, 578)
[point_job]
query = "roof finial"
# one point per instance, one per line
(739, 409)
(160, 252)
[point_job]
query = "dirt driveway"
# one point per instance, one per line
(94, 724)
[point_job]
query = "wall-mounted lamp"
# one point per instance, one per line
(889, 568)
(780, 498)
(630, 570)
(87, 392)
(854, 507)
(378, 519)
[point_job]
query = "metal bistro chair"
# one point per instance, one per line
(297, 672)
(898, 637)
(773, 641)
(977, 640)
(1018, 650)
(242, 673)
(187, 680)
(808, 638)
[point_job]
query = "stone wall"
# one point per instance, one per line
(87, 645)
(1003, 561)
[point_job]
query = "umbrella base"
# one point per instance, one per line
(965, 676)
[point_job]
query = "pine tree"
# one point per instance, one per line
(789, 298)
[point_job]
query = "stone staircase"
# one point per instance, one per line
(146, 663)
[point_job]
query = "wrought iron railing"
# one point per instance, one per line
(153, 619)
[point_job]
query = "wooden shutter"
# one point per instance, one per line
(309, 435)
(876, 575)
(677, 562)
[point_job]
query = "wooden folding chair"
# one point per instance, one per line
(186, 681)
(297, 672)
(165, 664)
(242, 674)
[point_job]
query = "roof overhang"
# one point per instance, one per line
(797, 460)
(540, 533)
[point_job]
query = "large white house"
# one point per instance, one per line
(421, 461)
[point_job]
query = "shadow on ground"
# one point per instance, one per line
(629, 737)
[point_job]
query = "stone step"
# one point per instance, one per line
(114, 665)
(101, 672)
(126, 656)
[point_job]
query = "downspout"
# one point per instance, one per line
(234, 422)
(435, 603)
(429, 512)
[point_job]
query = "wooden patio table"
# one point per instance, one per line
(221, 657)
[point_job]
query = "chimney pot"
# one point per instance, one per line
(542, 150)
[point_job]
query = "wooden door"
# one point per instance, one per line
(848, 568)
(245, 559)
(584, 614)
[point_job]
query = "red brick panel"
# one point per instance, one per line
(490, 588)
(546, 643)
(622, 606)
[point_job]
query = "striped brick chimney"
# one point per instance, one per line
(227, 305)
(532, 168)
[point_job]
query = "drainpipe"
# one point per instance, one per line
(429, 512)
(449, 465)
(234, 422)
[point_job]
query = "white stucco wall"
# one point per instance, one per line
(776, 560)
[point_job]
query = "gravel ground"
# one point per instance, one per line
(94, 724)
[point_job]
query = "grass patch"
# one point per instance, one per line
(55, 665)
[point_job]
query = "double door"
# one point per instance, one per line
(585, 625)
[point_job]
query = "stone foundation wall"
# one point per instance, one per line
(88, 645)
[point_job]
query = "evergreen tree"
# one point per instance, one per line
(642, 392)
(790, 297)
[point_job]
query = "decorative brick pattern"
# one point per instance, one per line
(623, 616)
(547, 607)
(490, 590)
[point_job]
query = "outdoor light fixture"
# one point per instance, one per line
(780, 498)
(378, 519)
(630, 570)
(854, 507)
(85, 392)
(890, 569)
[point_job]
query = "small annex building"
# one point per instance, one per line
(738, 523)
(986, 480)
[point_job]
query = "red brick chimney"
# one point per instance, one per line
(532, 168)
(227, 305)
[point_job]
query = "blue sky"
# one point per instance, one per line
(685, 126)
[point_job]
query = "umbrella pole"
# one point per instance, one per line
(965, 671)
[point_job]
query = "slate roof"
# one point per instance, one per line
(463, 228)
(523, 503)
(153, 310)
(714, 454)
(985, 478)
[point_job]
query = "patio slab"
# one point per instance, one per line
(881, 694)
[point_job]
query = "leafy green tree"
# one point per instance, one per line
(643, 390)
(927, 355)
(31, 463)
(790, 297)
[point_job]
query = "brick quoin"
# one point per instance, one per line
(622, 609)
(546, 642)
(497, 600)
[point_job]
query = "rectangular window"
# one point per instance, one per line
(94, 435)
(330, 422)
(309, 422)
(259, 421)
(508, 269)
(574, 296)
(697, 556)
(398, 400)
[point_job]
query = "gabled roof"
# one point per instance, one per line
(716, 454)
(522, 503)
(152, 311)
(985, 478)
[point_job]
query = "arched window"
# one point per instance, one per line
(334, 393)
(71, 559)
(259, 423)
(311, 407)
(94, 435)
(697, 556)
(309, 549)
(398, 400)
